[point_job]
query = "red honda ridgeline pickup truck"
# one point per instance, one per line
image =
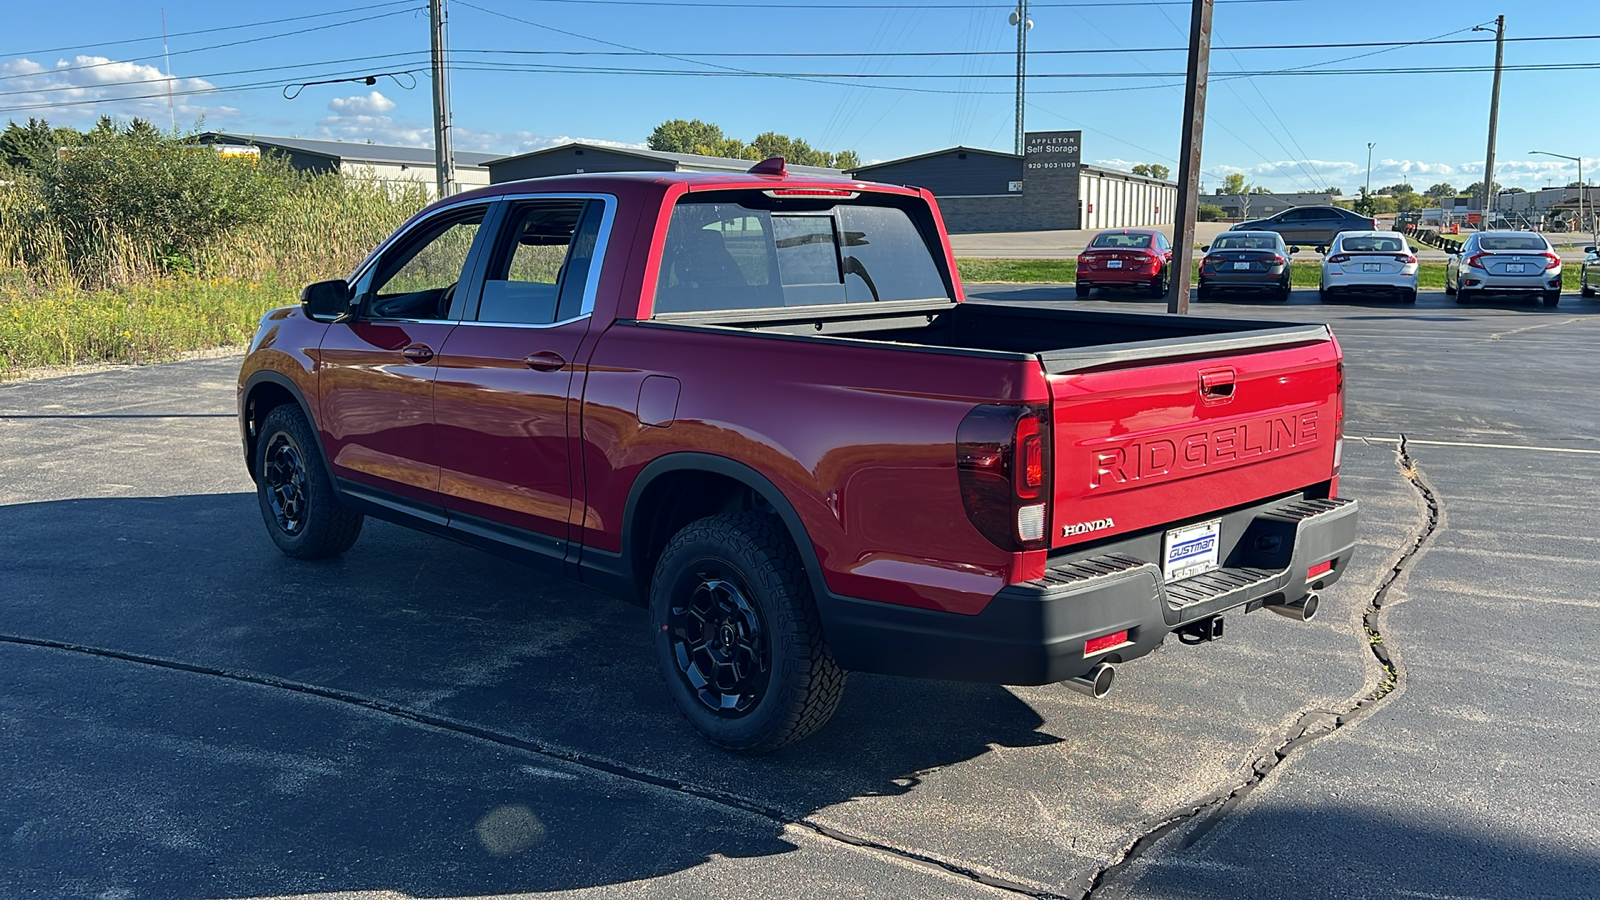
(758, 405)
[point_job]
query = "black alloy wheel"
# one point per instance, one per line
(719, 640)
(285, 479)
(302, 513)
(738, 637)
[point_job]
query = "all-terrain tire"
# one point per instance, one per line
(302, 512)
(738, 636)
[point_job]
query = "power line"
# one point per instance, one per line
(274, 84)
(254, 40)
(178, 34)
(288, 67)
(905, 7)
(849, 76)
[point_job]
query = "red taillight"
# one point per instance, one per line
(1002, 455)
(1096, 645)
(1553, 262)
(1279, 259)
(1321, 568)
(1405, 258)
(1338, 258)
(1476, 260)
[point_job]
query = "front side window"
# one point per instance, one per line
(731, 255)
(416, 279)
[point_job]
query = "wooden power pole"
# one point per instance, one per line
(1194, 124)
(444, 159)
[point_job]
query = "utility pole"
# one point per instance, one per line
(444, 160)
(1019, 18)
(1194, 123)
(1494, 119)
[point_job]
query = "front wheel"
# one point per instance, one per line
(1584, 289)
(738, 637)
(303, 514)
(1448, 290)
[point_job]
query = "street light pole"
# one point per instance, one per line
(1019, 18)
(1595, 232)
(1368, 188)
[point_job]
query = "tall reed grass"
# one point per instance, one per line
(133, 306)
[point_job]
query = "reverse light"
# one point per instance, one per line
(1105, 642)
(1030, 522)
(1321, 568)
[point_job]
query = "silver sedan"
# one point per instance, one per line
(1504, 262)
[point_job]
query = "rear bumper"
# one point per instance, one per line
(1034, 632)
(1114, 277)
(1511, 284)
(1243, 281)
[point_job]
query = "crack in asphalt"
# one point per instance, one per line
(592, 762)
(1311, 724)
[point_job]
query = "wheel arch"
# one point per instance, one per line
(678, 488)
(263, 392)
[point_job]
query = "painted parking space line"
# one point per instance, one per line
(1473, 444)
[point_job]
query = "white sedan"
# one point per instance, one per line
(1369, 262)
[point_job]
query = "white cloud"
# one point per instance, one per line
(84, 88)
(373, 104)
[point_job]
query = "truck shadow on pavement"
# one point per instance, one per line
(551, 756)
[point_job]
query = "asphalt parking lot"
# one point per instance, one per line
(187, 713)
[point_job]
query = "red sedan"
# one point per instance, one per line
(1126, 258)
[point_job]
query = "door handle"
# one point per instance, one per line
(544, 361)
(1216, 385)
(418, 353)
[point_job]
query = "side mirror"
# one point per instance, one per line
(1205, 248)
(326, 301)
(1591, 249)
(1293, 250)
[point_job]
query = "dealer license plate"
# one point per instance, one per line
(1113, 263)
(1371, 267)
(1243, 265)
(1515, 268)
(1191, 550)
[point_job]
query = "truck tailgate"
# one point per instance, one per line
(1147, 443)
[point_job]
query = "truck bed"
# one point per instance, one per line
(1064, 340)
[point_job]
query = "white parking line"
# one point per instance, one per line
(1425, 443)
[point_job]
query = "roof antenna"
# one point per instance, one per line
(770, 166)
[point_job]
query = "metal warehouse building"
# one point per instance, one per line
(580, 157)
(378, 161)
(1047, 188)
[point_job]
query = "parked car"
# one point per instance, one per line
(1126, 258)
(1250, 261)
(1310, 226)
(1369, 263)
(758, 406)
(1514, 263)
(1589, 276)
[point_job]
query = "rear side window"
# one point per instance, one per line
(729, 255)
(538, 272)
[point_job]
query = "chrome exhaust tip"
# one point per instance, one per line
(1096, 682)
(1302, 610)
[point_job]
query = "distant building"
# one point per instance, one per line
(1259, 206)
(1047, 188)
(379, 161)
(1535, 206)
(580, 157)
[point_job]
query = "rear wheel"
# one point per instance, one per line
(1158, 286)
(1081, 289)
(1408, 296)
(1204, 293)
(303, 514)
(1551, 298)
(1323, 296)
(1282, 296)
(1463, 296)
(738, 637)
(1448, 290)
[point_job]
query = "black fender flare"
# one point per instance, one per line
(278, 379)
(763, 487)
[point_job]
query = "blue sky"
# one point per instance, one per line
(1283, 132)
